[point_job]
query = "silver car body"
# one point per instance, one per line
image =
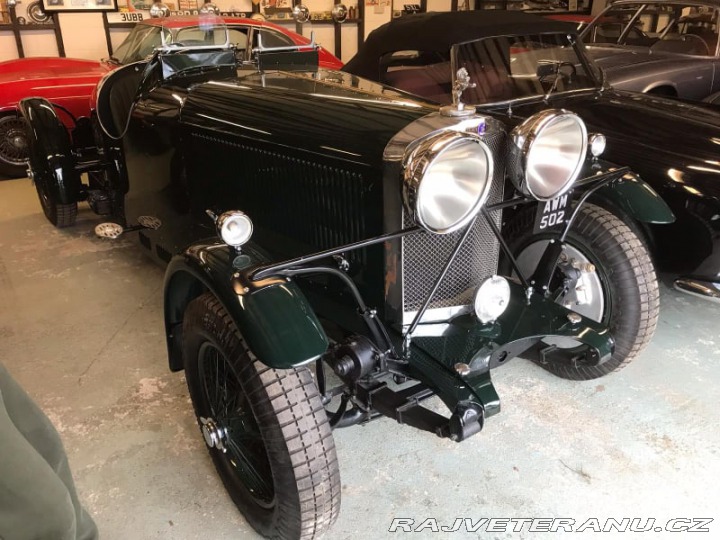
(667, 47)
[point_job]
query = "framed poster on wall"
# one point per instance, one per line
(79, 5)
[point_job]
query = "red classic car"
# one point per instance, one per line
(68, 82)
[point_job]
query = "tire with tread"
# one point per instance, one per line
(626, 273)
(291, 421)
(59, 214)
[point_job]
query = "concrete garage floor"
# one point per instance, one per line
(81, 329)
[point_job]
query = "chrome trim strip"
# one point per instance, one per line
(437, 315)
(697, 287)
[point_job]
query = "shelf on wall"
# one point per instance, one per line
(126, 25)
(17, 29)
(34, 26)
(313, 23)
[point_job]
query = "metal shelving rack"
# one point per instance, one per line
(18, 28)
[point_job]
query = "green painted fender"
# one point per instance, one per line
(637, 199)
(272, 315)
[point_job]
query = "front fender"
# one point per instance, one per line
(51, 158)
(636, 199)
(273, 315)
(629, 193)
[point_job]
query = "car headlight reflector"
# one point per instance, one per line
(492, 299)
(447, 180)
(547, 153)
(234, 227)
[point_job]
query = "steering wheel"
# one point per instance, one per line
(698, 44)
(573, 71)
(566, 76)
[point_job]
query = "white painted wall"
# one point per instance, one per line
(349, 42)
(39, 43)
(8, 49)
(438, 5)
(376, 16)
(83, 35)
(597, 6)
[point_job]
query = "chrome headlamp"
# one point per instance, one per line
(447, 179)
(547, 152)
(234, 227)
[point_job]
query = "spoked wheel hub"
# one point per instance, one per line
(14, 143)
(215, 436)
(230, 426)
(266, 430)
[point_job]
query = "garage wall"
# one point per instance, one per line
(83, 35)
(598, 6)
(40, 43)
(7, 46)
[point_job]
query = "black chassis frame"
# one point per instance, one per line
(374, 360)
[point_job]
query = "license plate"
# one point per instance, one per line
(551, 214)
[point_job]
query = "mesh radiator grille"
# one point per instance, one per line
(424, 255)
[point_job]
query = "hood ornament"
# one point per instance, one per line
(462, 83)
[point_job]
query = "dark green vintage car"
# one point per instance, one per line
(335, 253)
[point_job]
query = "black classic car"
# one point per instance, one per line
(522, 64)
(334, 254)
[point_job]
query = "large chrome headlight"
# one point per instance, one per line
(447, 179)
(547, 153)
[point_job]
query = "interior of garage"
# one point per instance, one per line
(82, 331)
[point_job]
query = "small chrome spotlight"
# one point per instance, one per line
(598, 142)
(492, 299)
(234, 227)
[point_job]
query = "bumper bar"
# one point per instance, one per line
(697, 287)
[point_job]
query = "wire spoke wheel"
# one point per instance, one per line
(14, 143)
(239, 436)
(266, 429)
